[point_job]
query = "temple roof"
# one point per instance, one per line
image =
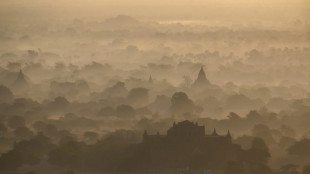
(201, 79)
(150, 79)
(21, 81)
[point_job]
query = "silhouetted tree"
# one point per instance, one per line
(106, 111)
(245, 141)
(16, 121)
(138, 96)
(289, 169)
(23, 133)
(125, 111)
(180, 103)
(233, 116)
(71, 154)
(50, 131)
(263, 131)
(60, 104)
(39, 126)
(66, 139)
(91, 136)
(234, 167)
(35, 149)
(10, 160)
(286, 141)
(3, 129)
(28, 152)
(301, 148)
(70, 172)
(258, 154)
(6, 95)
(287, 131)
(306, 169)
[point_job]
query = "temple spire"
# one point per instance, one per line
(202, 74)
(214, 132)
(150, 79)
(228, 134)
(21, 75)
(201, 79)
(20, 82)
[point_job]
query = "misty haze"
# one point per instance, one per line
(155, 87)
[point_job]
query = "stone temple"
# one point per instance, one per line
(187, 130)
(187, 145)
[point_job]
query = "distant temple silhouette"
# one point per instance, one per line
(150, 79)
(20, 82)
(201, 80)
(187, 130)
(187, 145)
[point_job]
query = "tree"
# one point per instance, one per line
(125, 111)
(289, 169)
(306, 169)
(70, 172)
(245, 141)
(6, 95)
(3, 129)
(300, 148)
(138, 96)
(16, 121)
(234, 167)
(33, 150)
(61, 101)
(71, 154)
(286, 141)
(233, 116)
(258, 154)
(180, 104)
(264, 132)
(106, 111)
(23, 133)
(10, 160)
(91, 136)
(66, 139)
(60, 104)
(39, 126)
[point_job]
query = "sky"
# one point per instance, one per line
(274, 10)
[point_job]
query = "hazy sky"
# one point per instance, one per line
(157, 9)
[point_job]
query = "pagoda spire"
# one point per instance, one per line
(228, 134)
(21, 75)
(201, 79)
(214, 132)
(150, 79)
(202, 74)
(20, 81)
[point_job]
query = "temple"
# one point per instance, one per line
(187, 130)
(150, 79)
(20, 82)
(201, 80)
(187, 146)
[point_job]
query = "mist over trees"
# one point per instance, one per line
(156, 87)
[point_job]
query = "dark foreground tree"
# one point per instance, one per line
(306, 169)
(257, 157)
(234, 167)
(16, 121)
(10, 160)
(289, 169)
(6, 95)
(300, 148)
